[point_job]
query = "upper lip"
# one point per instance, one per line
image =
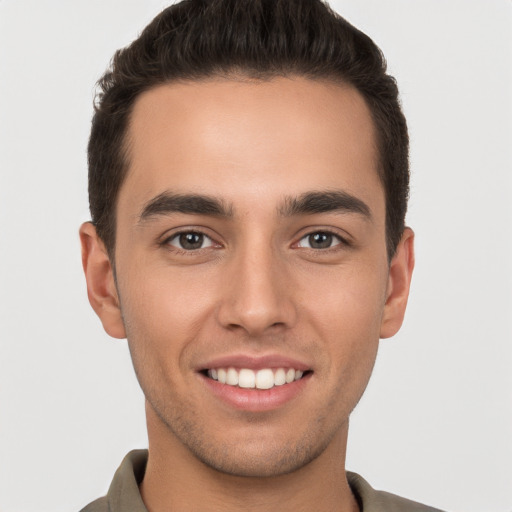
(255, 362)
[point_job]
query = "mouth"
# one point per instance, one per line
(247, 378)
(256, 384)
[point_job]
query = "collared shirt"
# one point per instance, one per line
(124, 496)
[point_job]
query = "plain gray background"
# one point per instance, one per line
(436, 421)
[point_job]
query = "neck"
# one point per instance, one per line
(176, 480)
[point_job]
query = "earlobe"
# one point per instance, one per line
(101, 288)
(399, 281)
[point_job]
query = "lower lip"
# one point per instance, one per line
(256, 400)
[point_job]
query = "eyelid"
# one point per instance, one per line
(336, 237)
(174, 233)
(344, 237)
(177, 236)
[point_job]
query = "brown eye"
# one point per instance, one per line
(190, 241)
(320, 240)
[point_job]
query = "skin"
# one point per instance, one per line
(254, 287)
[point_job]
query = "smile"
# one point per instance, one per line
(265, 378)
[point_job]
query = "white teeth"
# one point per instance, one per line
(279, 377)
(221, 374)
(266, 378)
(232, 377)
(246, 378)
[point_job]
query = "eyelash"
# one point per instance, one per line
(180, 250)
(341, 240)
(176, 236)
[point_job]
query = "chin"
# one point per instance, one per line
(259, 459)
(263, 465)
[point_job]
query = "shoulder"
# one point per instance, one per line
(371, 500)
(99, 505)
(123, 494)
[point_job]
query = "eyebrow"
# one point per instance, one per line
(193, 204)
(324, 202)
(309, 203)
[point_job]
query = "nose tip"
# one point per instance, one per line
(255, 321)
(257, 299)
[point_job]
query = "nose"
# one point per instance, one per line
(257, 297)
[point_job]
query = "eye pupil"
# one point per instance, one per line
(320, 240)
(191, 240)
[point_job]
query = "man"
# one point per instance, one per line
(248, 181)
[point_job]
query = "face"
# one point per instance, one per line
(251, 249)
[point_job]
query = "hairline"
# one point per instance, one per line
(243, 75)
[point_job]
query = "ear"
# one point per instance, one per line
(101, 287)
(399, 281)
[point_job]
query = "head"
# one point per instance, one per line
(258, 39)
(248, 178)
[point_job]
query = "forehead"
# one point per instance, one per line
(250, 139)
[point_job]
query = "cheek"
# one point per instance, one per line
(164, 308)
(347, 318)
(348, 304)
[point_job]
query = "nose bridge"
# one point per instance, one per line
(257, 297)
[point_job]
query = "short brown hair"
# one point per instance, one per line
(196, 39)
